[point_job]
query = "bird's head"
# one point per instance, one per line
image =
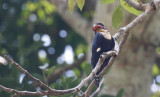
(98, 26)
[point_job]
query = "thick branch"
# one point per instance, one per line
(149, 9)
(157, 3)
(136, 5)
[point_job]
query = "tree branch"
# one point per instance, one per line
(21, 92)
(136, 5)
(98, 89)
(126, 30)
(15, 95)
(149, 9)
(89, 89)
(27, 73)
(40, 83)
(49, 91)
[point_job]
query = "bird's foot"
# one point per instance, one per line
(96, 79)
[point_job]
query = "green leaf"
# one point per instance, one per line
(87, 68)
(117, 17)
(77, 72)
(48, 7)
(80, 4)
(106, 1)
(31, 6)
(71, 5)
(130, 8)
(41, 13)
(158, 50)
(120, 93)
(155, 70)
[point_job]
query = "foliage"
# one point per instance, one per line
(106, 1)
(71, 4)
(23, 23)
(80, 4)
(156, 94)
(155, 70)
(22, 20)
(156, 77)
(117, 17)
(129, 8)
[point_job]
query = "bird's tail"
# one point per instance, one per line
(96, 80)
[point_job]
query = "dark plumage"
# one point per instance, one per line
(101, 43)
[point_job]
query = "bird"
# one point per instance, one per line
(102, 42)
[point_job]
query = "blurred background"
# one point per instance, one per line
(55, 46)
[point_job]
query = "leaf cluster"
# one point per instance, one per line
(117, 16)
(20, 21)
(71, 4)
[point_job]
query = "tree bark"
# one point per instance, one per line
(132, 71)
(133, 68)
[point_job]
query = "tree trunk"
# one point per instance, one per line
(133, 67)
(132, 71)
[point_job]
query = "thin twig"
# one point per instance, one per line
(54, 91)
(98, 89)
(126, 30)
(15, 95)
(89, 89)
(27, 73)
(21, 92)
